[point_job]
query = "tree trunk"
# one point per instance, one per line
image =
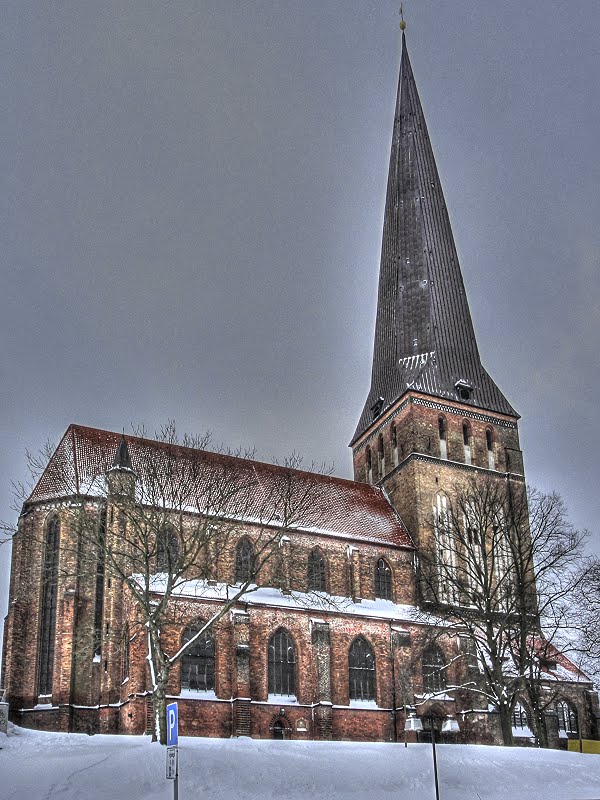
(159, 707)
(539, 728)
(506, 725)
(160, 671)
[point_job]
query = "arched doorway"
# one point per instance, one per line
(278, 730)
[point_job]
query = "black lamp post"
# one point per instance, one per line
(450, 725)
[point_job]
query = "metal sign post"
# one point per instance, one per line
(171, 763)
(172, 748)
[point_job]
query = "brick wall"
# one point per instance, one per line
(413, 423)
(93, 695)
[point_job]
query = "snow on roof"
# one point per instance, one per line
(559, 667)
(336, 507)
(311, 601)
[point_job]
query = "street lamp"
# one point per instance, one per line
(450, 725)
(411, 723)
(414, 723)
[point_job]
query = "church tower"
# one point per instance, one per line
(432, 412)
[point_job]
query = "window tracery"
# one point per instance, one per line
(282, 664)
(434, 671)
(445, 551)
(567, 717)
(442, 434)
(244, 561)
(167, 549)
(383, 580)
(316, 573)
(198, 663)
(48, 609)
(361, 670)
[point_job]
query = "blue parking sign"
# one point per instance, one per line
(172, 724)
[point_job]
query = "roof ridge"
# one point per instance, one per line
(250, 461)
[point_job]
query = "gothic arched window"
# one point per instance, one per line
(369, 463)
(466, 433)
(125, 660)
(99, 599)
(361, 670)
(394, 440)
(489, 440)
(48, 609)
(198, 663)
(567, 717)
(434, 670)
(167, 549)
(380, 456)
(519, 717)
(383, 580)
(466, 429)
(282, 664)
(316, 578)
(442, 436)
(445, 547)
(244, 561)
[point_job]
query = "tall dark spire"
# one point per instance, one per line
(424, 337)
(122, 459)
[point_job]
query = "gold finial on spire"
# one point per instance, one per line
(402, 22)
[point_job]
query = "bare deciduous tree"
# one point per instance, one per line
(168, 519)
(587, 608)
(501, 569)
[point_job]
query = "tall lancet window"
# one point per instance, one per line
(316, 576)
(445, 547)
(489, 440)
(361, 670)
(394, 440)
(466, 428)
(443, 436)
(383, 580)
(167, 550)
(244, 561)
(500, 556)
(380, 456)
(48, 610)
(282, 664)
(434, 670)
(198, 663)
(567, 718)
(98, 605)
(369, 463)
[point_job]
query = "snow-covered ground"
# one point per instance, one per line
(53, 766)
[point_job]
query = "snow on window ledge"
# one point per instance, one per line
(363, 704)
(198, 694)
(522, 732)
(282, 699)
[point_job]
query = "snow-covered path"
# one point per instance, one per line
(54, 766)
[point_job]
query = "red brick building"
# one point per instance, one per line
(332, 645)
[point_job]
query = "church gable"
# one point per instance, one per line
(342, 508)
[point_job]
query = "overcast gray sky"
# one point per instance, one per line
(192, 210)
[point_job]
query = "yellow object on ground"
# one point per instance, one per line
(587, 746)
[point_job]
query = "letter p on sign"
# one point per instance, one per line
(172, 725)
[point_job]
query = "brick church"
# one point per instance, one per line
(331, 644)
